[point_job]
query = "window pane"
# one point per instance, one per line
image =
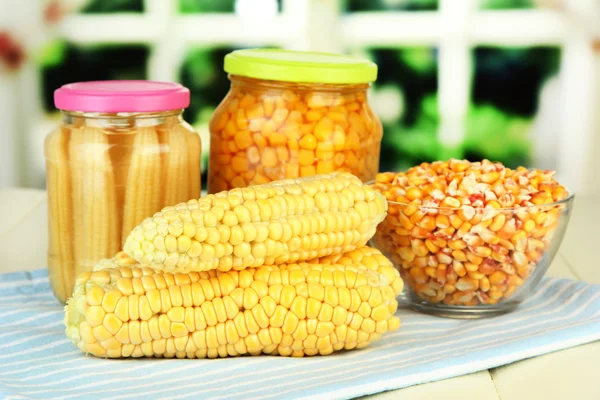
(506, 4)
(506, 88)
(113, 6)
(404, 97)
(223, 6)
(65, 63)
(202, 72)
(389, 5)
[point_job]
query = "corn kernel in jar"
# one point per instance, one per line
(292, 114)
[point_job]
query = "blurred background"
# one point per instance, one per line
(514, 81)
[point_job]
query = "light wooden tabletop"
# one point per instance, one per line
(566, 374)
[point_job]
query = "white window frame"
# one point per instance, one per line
(319, 25)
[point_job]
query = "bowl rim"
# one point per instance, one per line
(566, 200)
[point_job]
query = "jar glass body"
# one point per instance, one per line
(268, 130)
(105, 173)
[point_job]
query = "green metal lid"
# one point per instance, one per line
(299, 66)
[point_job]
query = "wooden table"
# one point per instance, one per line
(567, 374)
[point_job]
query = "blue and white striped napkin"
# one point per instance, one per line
(38, 362)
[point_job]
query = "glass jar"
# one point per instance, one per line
(122, 153)
(290, 114)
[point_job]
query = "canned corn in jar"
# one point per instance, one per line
(121, 154)
(291, 114)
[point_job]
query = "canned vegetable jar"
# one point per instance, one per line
(121, 154)
(290, 114)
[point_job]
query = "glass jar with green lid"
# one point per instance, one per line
(291, 114)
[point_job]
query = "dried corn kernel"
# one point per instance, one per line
(488, 224)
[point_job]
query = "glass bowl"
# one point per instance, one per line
(471, 262)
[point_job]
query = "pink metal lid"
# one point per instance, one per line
(121, 96)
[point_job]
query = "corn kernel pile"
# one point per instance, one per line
(298, 279)
(264, 133)
(466, 233)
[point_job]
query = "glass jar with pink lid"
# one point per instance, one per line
(122, 153)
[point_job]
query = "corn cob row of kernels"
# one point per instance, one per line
(285, 221)
(316, 307)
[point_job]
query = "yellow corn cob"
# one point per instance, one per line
(60, 252)
(195, 151)
(142, 196)
(301, 309)
(284, 221)
(174, 164)
(96, 234)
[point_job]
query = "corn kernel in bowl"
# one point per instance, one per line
(471, 234)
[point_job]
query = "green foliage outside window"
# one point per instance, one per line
(504, 98)
(113, 6)
(65, 63)
(506, 4)
(389, 5)
(202, 72)
(209, 6)
(200, 6)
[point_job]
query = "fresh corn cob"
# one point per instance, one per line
(142, 197)
(284, 221)
(341, 302)
(61, 268)
(175, 163)
(96, 233)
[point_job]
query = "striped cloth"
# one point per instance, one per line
(38, 362)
